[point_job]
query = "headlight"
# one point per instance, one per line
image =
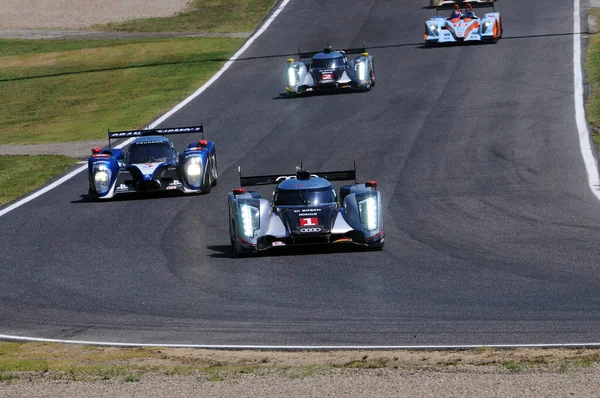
(193, 171)
(362, 71)
(102, 178)
(292, 76)
(368, 213)
(250, 219)
(486, 25)
(435, 30)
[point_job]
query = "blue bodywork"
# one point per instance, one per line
(152, 163)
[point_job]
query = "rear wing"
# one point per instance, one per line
(328, 49)
(112, 135)
(259, 180)
(451, 3)
(273, 179)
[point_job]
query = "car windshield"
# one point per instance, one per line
(150, 153)
(302, 197)
(329, 63)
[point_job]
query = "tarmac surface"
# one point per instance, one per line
(500, 236)
(491, 227)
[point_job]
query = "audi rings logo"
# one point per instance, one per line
(306, 230)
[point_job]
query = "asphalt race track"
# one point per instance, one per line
(492, 229)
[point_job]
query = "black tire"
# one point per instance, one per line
(376, 248)
(206, 183)
(92, 196)
(215, 171)
(234, 247)
(373, 75)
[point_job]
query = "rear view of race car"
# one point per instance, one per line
(330, 70)
(462, 27)
(151, 163)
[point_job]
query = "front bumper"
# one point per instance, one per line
(352, 237)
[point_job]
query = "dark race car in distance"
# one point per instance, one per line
(151, 163)
(330, 70)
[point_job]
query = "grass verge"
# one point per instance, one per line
(71, 91)
(592, 67)
(64, 91)
(21, 174)
(202, 16)
(84, 363)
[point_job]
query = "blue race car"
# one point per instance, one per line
(151, 163)
(330, 70)
(305, 210)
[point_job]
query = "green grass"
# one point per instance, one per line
(202, 16)
(80, 363)
(592, 66)
(7, 377)
(76, 93)
(11, 48)
(74, 90)
(513, 366)
(21, 174)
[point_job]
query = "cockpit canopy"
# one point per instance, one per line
(150, 151)
(328, 63)
(304, 197)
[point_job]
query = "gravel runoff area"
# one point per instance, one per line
(465, 382)
(18, 17)
(483, 373)
(34, 34)
(79, 14)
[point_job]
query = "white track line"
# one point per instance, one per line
(589, 159)
(300, 347)
(164, 117)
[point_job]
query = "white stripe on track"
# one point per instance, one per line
(164, 117)
(42, 191)
(301, 347)
(589, 159)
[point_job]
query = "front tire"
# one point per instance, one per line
(373, 75)
(92, 195)
(234, 247)
(206, 183)
(215, 171)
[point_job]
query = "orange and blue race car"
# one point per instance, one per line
(442, 3)
(462, 27)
